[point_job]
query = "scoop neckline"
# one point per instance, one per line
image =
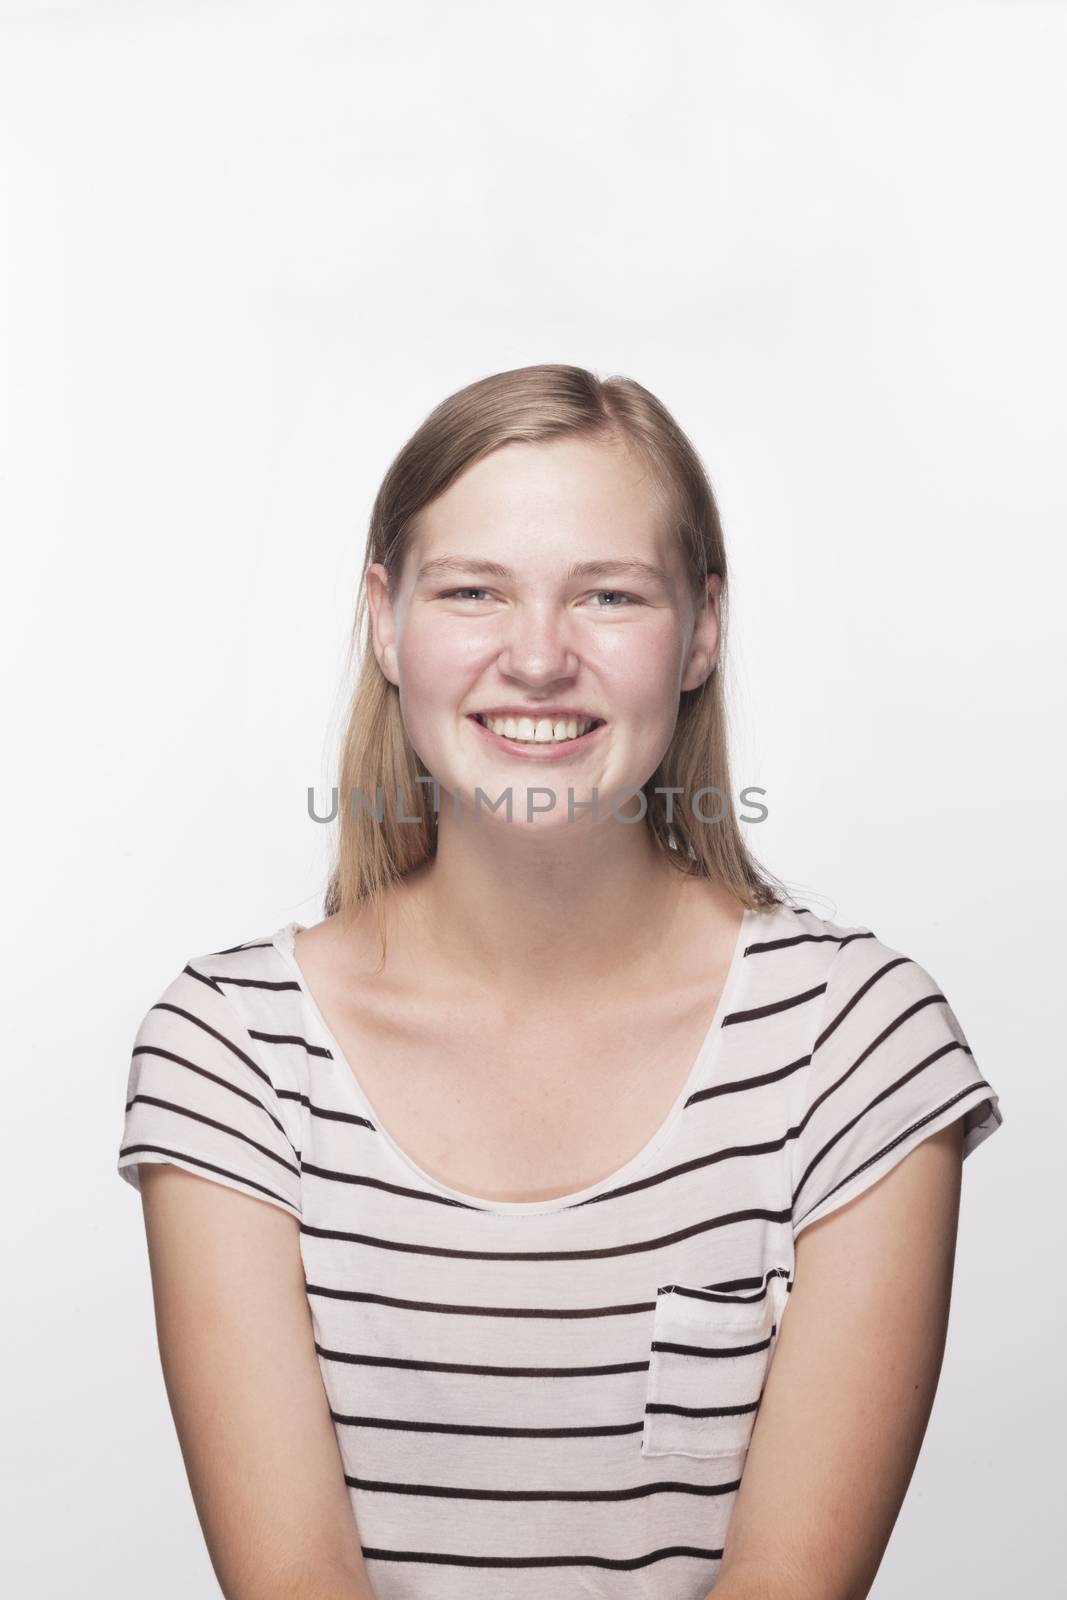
(283, 941)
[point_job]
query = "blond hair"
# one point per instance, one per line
(533, 405)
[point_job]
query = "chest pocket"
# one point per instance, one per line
(707, 1365)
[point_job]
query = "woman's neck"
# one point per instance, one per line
(573, 907)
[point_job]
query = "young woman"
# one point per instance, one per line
(567, 1142)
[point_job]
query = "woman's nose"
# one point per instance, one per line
(538, 644)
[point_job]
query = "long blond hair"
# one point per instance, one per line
(533, 405)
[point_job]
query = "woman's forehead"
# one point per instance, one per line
(546, 499)
(574, 469)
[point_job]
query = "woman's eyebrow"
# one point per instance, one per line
(440, 566)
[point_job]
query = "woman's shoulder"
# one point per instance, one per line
(849, 957)
(860, 945)
(797, 925)
(888, 1064)
(216, 1077)
(252, 963)
(342, 952)
(223, 979)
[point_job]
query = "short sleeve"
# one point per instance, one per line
(889, 1066)
(198, 1097)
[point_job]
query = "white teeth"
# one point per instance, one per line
(543, 731)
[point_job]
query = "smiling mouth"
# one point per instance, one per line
(539, 730)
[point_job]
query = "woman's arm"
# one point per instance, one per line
(246, 1393)
(850, 1389)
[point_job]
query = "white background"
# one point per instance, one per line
(249, 246)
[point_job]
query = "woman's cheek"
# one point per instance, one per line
(428, 661)
(435, 683)
(638, 673)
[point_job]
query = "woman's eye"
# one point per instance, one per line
(614, 596)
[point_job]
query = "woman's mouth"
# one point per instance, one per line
(539, 734)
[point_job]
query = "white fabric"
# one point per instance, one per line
(558, 1398)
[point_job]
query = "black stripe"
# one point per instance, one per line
(476, 1370)
(365, 1296)
(774, 1006)
(223, 1083)
(927, 1061)
(715, 1351)
(201, 978)
(329, 1176)
(212, 1122)
(756, 1081)
(751, 1214)
(582, 1496)
(961, 1094)
(291, 1038)
(704, 1411)
(878, 1039)
(764, 945)
(292, 1094)
(723, 1294)
(694, 1164)
(621, 1564)
(732, 1293)
(254, 983)
(863, 989)
(209, 1166)
(338, 1116)
(483, 1430)
(198, 1021)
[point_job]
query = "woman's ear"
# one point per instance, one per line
(382, 620)
(703, 654)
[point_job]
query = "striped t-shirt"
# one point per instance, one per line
(558, 1396)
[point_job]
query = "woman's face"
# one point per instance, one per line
(541, 586)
